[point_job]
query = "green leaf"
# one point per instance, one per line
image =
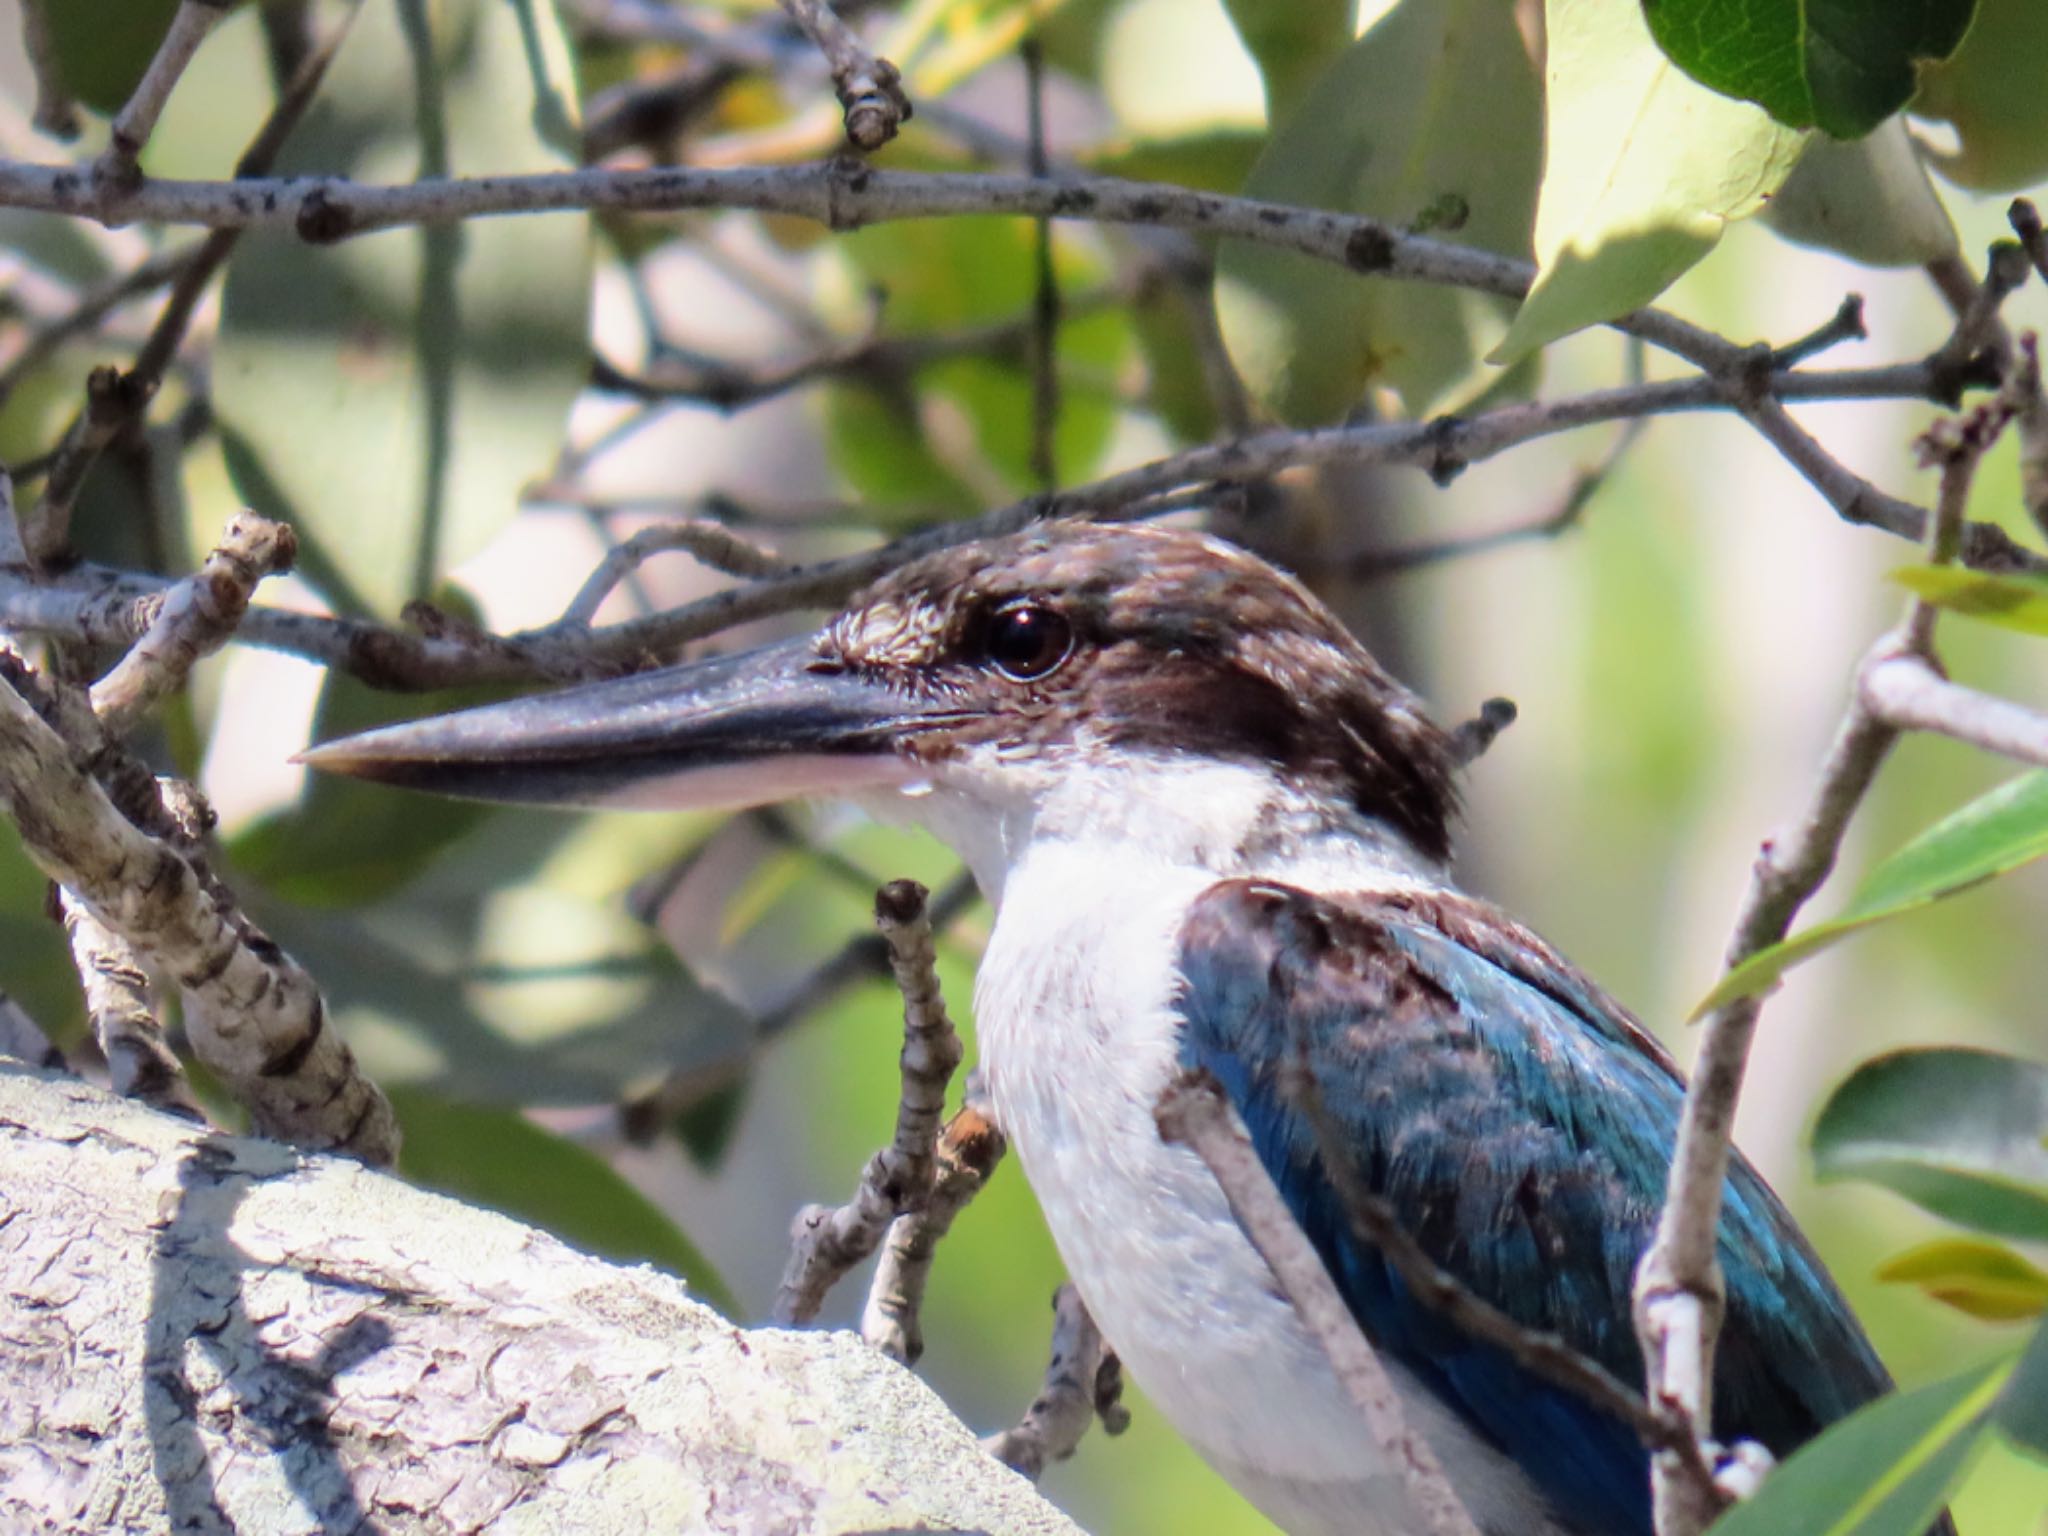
(1436, 107)
(1886, 1470)
(1962, 1133)
(1643, 169)
(1842, 66)
(390, 395)
(2023, 1406)
(1291, 41)
(1993, 834)
(103, 46)
(1990, 93)
(1870, 200)
(499, 1158)
(2011, 602)
(1986, 1280)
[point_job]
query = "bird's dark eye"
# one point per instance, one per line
(1028, 640)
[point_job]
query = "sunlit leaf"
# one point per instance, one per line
(2011, 602)
(437, 363)
(1990, 93)
(1435, 110)
(1994, 833)
(1987, 1280)
(1291, 41)
(1644, 167)
(1963, 1133)
(1840, 65)
(1886, 1470)
(1870, 200)
(499, 1158)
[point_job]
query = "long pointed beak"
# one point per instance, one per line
(727, 733)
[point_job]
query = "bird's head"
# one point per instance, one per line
(1076, 679)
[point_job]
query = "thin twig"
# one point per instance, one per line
(969, 1149)
(827, 1241)
(1083, 1382)
(870, 89)
(118, 164)
(197, 618)
(1194, 1112)
(1045, 289)
(711, 543)
(121, 1007)
(91, 309)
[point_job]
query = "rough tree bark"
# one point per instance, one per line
(202, 1333)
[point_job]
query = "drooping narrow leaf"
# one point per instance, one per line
(1643, 169)
(1987, 1280)
(1990, 92)
(1436, 107)
(1843, 66)
(1963, 1133)
(2011, 602)
(1870, 200)
(1886, 1470)
(390, 395)
(499, 1158)
(1994, 833)
(2023, 1405)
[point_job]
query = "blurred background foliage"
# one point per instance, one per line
(470, 416)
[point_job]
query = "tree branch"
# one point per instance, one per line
(1194, 1112)
(205, 1330)
(870, 89)
(136, 121)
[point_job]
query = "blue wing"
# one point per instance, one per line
(1521, 1126)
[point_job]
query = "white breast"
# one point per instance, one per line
(1073, 1003)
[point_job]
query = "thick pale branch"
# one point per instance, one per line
(1906, 692)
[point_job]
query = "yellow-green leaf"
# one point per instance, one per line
(1990, 92)
(1870, 200)
(1987, 1280)
(1644, 167)
(1994, 833)
(1435, 108)
(2011, 602)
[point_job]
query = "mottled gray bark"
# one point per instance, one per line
(205, 1333)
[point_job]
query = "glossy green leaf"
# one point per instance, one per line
(1993, 834)
(499, 1158)
(1843, 66)
(1990, 93)
(103, 46)
(1870, 200)
(1436, 107)
(1886, 1470)
(1643, 170)
(1987, 1280)
(438, 364)
(2011, 602)
(2023, 1405)
(1963, 1133)
(1291, 41)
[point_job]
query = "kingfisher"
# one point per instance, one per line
(1216, 835)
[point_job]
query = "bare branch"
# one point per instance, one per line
(1194, 1112)
(136, 121)
(870, 89)
(121, 1007)
(828, 1242)
(1907, 693)
(969, 1149)
(113, 401)
(196, 619)
(91, 309)
(1083, 1382)
(254, 1016)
